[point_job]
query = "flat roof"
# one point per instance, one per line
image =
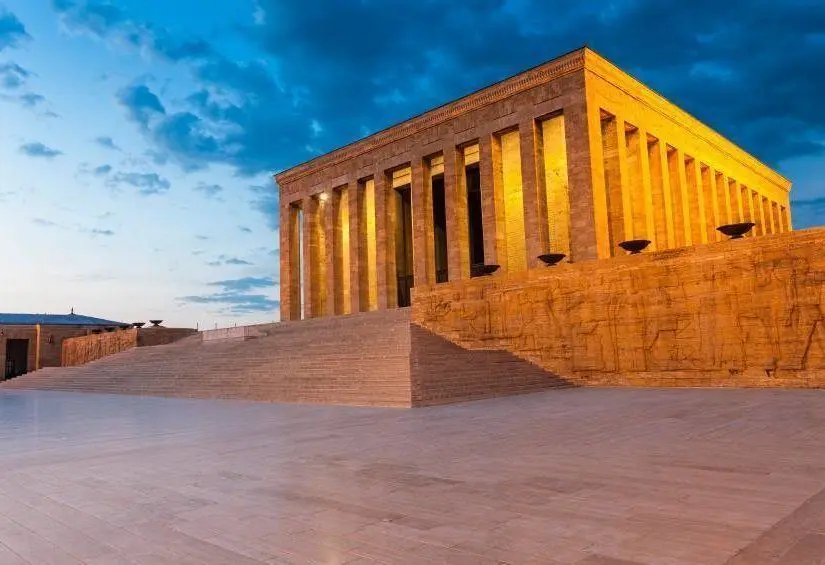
(70, 319)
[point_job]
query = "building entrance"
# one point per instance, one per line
(403, 244)
(17, 354)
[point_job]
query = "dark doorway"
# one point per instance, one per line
(474, 222)
(403, 244)
(440, 229)
(17, 356)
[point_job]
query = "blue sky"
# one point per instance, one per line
(138, 137)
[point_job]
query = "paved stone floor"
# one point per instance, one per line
(580, 476)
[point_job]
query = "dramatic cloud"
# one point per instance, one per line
(235, 297)
(315, 91)
(37, 149)
(209, 190)
(12, 30)
(107, 142)
(13, 76)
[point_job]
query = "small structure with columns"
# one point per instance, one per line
(573, 157)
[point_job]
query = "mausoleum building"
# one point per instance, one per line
(573, 157)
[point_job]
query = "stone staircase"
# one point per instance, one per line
(361, 359)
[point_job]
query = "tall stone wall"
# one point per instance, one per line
(736, 313)
(87, 348)
(148, 337)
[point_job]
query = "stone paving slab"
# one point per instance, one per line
(578, 476)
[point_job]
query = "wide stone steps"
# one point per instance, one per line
(362, 359)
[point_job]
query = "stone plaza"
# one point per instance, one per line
(576, 477)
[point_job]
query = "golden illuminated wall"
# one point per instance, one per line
(556, 186)
(660, 174)
(372, 257)
(512, 196)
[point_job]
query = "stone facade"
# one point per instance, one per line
(747, 312)
(84, 349)
(573, 156)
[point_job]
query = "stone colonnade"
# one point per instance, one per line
(654, 190)
(500, 199)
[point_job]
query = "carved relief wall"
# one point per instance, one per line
(734, 313)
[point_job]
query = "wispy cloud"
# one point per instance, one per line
(97, 231)
(236, 261)
(148, 184)
(107, 142)
(228, 260)
(102, 170)
(44, 223)
(245, 229)
(30, 99)
(12, 30)
(13, 76)
(37, 149)
(209, 190)
(236, 295)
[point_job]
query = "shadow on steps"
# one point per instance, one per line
(443, 372)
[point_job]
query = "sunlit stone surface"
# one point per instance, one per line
(577, 476)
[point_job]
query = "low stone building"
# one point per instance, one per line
(32, 341)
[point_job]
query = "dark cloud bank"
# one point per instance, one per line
(749, 68)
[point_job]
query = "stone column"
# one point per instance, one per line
(422, 222)
(750, 209)
(697, 202)
(492, 206)
(331, 276)
(455, 205)
(534, 194)
(762, 216)
(290, 263)
(667, 194)
(647, 188)
(385, 239)
(684, 235)
(309, 208)
(712, 204)
(772, 211)
(624, 184)
(737, 206)
(589, 219)
(616, 196)
(359, 297)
